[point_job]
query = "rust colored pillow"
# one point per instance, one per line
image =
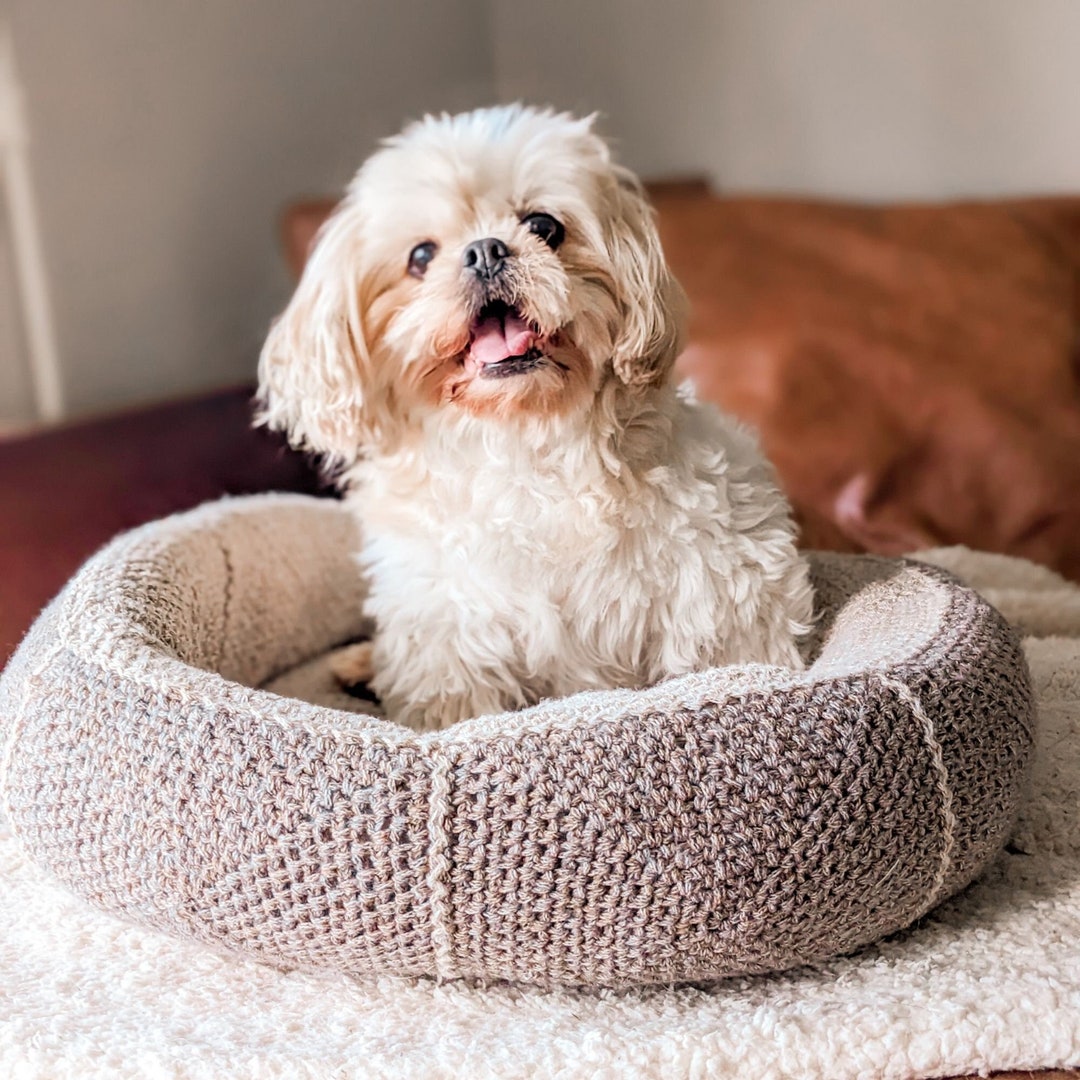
(912, 369)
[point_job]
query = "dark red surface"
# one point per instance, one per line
(65, 492)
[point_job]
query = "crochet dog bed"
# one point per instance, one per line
(736, 821)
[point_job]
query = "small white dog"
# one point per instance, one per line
(483, 342)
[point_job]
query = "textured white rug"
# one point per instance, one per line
(990, 980)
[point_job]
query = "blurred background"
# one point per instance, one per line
(151, 149)
(164, 138)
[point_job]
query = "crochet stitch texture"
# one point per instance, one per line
(735, 821)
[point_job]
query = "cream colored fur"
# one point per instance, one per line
(580, 525)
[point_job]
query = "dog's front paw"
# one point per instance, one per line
(352, 665)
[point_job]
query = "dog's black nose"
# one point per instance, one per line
(485, 258)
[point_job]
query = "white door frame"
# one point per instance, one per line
(26, 240)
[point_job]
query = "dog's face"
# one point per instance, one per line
(496, 263)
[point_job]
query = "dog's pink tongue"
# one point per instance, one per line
(500, 336)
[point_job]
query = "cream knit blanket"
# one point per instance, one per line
(991, 980)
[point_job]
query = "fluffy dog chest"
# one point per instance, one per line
(570, 577)
(549, 596)
(498, 534)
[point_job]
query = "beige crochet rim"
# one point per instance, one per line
(737, 821)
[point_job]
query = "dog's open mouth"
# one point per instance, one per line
(503, 342)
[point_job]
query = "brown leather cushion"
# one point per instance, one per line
(912, 369)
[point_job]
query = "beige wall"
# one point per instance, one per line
(166, 136)
(898, 98)
(642, 63)
(168, 133)
(864, 98)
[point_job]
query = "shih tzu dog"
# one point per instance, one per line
(482, 342)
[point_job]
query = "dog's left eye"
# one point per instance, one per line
(420, 256)
(549, 229)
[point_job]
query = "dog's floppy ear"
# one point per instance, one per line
(315, 369)
(652, 303)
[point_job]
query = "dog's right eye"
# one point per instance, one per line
(549, 229)
(420, 256)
